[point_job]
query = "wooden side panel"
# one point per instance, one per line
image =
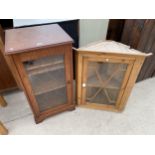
(14, 71)
(6, 78)
(145, 34)
(147, 44)
(8, 70)
(134, 73)
(125, 38)
(69, 73)
(115, 29)
(153, 74)
(132, 32)
(140, 34)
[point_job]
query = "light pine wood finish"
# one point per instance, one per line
(133, 76)
(115, 53)
(3, 130)
(2, 102)
(79, 65)
(111, 60)
(84, 78)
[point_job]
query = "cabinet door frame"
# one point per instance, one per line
(111, 59)
(34, 55)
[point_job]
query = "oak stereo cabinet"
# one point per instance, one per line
(106, 73)
(43, 58)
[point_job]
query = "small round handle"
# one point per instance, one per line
(83, 85)
(106, 60)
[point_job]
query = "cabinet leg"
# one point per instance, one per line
(3, 130)
(38, 120)
(2, 101)
(71, 109)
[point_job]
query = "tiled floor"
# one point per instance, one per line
(137, 118)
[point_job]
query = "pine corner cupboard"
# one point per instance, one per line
(43, 58)
(106, 73)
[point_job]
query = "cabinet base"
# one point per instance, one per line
(44, 115)
(101, 107)
(71, 109)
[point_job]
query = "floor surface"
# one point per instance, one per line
(137, 118)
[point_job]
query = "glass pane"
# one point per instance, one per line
(47, 78)
(104, 82)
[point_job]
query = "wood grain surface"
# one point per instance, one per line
(24, 39)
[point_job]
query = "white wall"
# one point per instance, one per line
(92, 30)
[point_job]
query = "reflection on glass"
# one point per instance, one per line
(104, 82)
(47, 78)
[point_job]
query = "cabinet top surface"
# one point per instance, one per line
(111, 47)
(25, 39)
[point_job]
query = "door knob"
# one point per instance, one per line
(83, 85)
(106, 60)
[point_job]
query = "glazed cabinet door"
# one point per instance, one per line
(104, 81)
(48, 81)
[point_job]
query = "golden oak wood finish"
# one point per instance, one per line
(34, 60)
(7, 80)
(32, 38)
